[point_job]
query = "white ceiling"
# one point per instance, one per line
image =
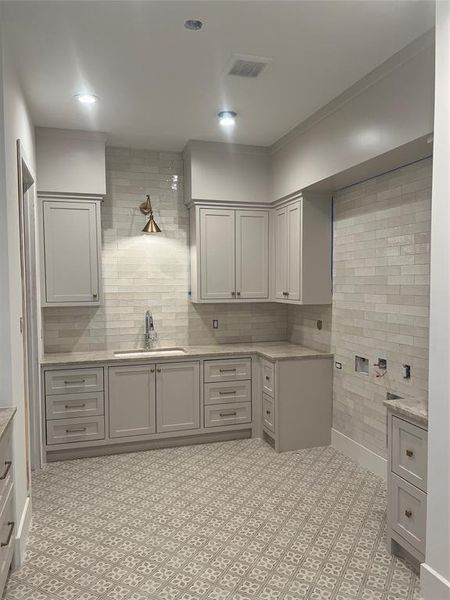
(160, 84)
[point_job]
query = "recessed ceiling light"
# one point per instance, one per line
(227, 117)
(193, 24)
(86, 98)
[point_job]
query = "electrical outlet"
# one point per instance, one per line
(215, 324)
(406, 371)
(338, 365)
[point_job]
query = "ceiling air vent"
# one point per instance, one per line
(247, 66)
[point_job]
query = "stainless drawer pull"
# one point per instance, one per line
(8, 539)
(230, 393)
(75, 381)
(76, 405)
(8, 465)
(409, 453)
(408, 514)
(228, 414)
(76, 430)
(227, 370)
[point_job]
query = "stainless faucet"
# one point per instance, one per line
(150, 334)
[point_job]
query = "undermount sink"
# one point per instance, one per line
(141, 352)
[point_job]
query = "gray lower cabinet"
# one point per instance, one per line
(131, 400)
(8, 526)
(177, 396)
(407, 485)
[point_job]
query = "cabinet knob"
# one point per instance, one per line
(239, 293)
(152, 370)
(285, 293)
(267, 412)
(158, 370)
(409, 453)
(408, 513)
(233, 293)
(267, 377)
(94, 295)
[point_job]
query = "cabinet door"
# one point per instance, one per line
(131, 400)
(281, 253)
(71, 261)
(177, 396)
(217, 254)
(252, 254)
(294, 250)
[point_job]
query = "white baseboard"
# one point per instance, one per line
(433, 586)
(362, 455)
(22, 535)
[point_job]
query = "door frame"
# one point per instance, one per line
(31, 316)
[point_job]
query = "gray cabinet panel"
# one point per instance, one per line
(131, 400)
(177, 396)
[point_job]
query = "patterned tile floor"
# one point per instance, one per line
(231, 520)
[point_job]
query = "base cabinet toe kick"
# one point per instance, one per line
(407, 485)
(90, 408)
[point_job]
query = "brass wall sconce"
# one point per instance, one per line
(146, 209)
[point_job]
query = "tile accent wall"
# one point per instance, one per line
(380, 300)
(141, 272)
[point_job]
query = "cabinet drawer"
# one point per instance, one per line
(6, 465)
(67, 406)
(268, 413)
(408, 505)
(73, 381)
(233, 391)
(227, 370)
(8, 530)
(64, 431)
(409, 452)
(268, 377)
(228, 414)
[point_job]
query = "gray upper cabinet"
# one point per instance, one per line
(177, 396)
(301, 255)
(131, 401)
(71, 251)
(229, 254)
(217, 253)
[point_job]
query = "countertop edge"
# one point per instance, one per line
(6, 416)
(266, 354)
(409, 408)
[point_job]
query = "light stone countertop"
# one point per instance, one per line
(272, 351)
(6, 415)
(413, 408)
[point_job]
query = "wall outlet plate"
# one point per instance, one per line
(338, 364)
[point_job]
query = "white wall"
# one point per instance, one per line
(436, 570)
(17, 125)
(226, 172)
(388, 108)
(62, 155)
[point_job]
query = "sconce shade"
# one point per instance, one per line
(151, 225)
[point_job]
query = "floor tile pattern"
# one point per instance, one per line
(225, 521)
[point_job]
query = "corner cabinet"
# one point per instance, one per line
(301, 233)
(71, 251)
(229, 254)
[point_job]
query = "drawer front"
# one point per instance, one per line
(268, 378)
(227, 370)
(409, 452)
(8, 530)
(409, 509)
(268, 413)
(228, 414)
(65, 431)
(223, 393)
(68, 406)
(6, 466)
(73, 381)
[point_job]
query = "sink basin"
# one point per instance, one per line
(142, 353)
